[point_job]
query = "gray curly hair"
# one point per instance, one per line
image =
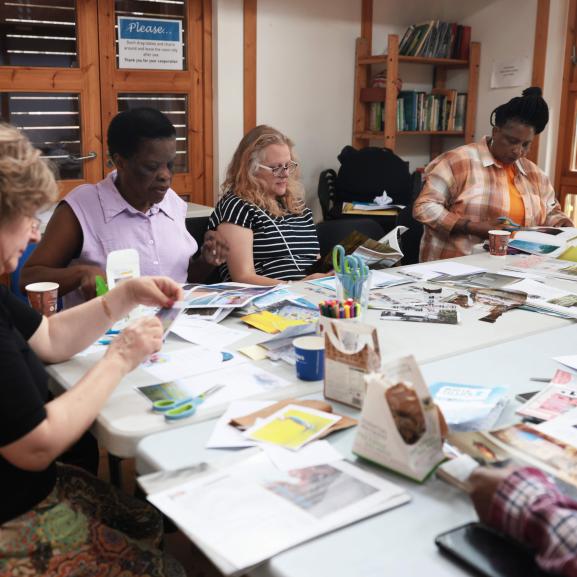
(26, 181)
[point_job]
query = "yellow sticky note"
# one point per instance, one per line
(270, 323)
(254, 352)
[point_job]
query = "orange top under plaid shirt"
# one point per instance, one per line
(468, 182)
(528, 506)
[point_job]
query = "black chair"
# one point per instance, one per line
(197, 226)
(331, 232)
(326, 192)
(411, 240)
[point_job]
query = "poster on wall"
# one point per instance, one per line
(509, 73)
(150, 44)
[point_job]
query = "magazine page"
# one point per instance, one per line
(548, 298)
(558, 397)
(543, 266)
(243, 515)
(544, 241)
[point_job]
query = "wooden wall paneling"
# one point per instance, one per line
(196, 183)
(208, 125)
(360, 115)
(539, 54)
(473, 90)
(391, 95)
(91, 125)
(565, 136)
(249, 64)
(367, 23)
(195, 48)
(82, 80)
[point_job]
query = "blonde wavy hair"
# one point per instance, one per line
(26, 181)
(241, 175)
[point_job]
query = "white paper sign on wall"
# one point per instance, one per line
(509, 73)
(150, 44)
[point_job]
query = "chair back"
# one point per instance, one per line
(197, 226)
(326, 192)
(411, 240)
(331, 232)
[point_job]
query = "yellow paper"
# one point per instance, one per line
(254, 352)
(293, 428)
(569, 254)
(270, 323)
(348, 209)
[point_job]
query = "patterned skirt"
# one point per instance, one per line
(85, 528)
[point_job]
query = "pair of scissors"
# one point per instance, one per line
(349, 265)
(186, 407)
(509, 224)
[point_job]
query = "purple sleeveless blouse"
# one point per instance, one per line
(110, 223)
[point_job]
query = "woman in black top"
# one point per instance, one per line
(262, 216)
(54, 519)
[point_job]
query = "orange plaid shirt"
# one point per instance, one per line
(468, 182)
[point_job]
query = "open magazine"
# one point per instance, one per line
(543, 240)
(543, 266)
(376, 254)
(242, 515)
(547, 298)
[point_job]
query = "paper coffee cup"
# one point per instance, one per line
(310, 355)
(43, 297)
(498, 241)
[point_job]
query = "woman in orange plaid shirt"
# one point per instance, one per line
(467, 189)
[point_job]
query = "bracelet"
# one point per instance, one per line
(106, 308)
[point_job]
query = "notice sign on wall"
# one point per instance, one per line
(148, 43)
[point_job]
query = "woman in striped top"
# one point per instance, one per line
(262, 215)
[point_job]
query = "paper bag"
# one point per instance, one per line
(351, 352)
(400, 427)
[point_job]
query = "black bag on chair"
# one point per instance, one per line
(366, 173)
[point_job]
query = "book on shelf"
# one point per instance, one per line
(436, 39)
(441, 110)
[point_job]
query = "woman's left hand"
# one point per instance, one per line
(152, 291)
(215, 248)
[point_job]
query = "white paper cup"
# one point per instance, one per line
(43, 297)
(498, 241)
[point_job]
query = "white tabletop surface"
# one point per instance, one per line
(126, 418)
(398, 542)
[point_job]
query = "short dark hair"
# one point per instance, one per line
(128, 128)
(530, 109)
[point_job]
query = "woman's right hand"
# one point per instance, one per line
(88, 280)
(136, 342)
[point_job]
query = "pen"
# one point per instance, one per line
(540, 379)
(112, 332)
(104, 341)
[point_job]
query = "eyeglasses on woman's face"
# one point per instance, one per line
(282, 169)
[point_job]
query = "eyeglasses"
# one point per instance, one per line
(35, 225)
(289, 168)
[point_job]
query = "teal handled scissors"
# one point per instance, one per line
(187, 409)
(348, 265)
(510, 225)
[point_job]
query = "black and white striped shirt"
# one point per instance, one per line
(272, 238)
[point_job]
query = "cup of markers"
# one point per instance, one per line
(344, 310)
(337, 309)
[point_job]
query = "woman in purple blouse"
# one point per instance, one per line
(133, 207)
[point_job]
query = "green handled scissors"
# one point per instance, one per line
(188, 408)
(349, 265)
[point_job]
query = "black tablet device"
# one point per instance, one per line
(488, 552)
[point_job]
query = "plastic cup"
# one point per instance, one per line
(43, 297)
(498, 241)
(349, 287)
(310, 354)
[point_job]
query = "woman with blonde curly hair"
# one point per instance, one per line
(56, 519)
(262, 215)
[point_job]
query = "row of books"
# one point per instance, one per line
(436, 39)
(441, 110)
